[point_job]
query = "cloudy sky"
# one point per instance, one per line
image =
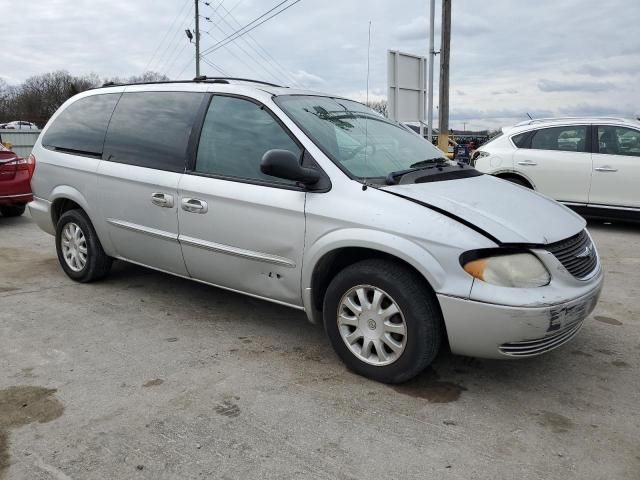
(548, 57)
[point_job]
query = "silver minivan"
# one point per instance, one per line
(318, 203)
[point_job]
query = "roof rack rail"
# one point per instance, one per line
(200, 79)
(204, 78)
(559, 119)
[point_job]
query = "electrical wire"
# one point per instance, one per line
(211, 64)
(185, 21)
(238, 33)
(255, 47)
(165, 36)
(277, 78)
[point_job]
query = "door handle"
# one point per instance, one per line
(193, 205)
(606, 168)
(162, 200)
(527, 162)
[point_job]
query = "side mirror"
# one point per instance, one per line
(285, 164)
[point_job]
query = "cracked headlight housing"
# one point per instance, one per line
(517, 270)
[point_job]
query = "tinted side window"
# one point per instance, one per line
(618, 141)
(567, 139)
(235, 135)
(152, 129)
(521, 140)
(82, 126)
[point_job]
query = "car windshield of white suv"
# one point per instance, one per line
(359, 139)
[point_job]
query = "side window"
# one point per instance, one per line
(82, 126)
(618, 141)
(235, 135)
(566, 139)
(521, 140)
(152, 129)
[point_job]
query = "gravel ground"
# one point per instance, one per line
(145, 375)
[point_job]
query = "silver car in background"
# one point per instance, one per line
(317, 203)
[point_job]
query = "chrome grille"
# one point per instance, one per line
(540, 345)
(577, 254)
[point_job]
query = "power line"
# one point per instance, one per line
(228, 11)
(272, 62)
(238, 33)
(251, 57)
(211, 64)
(176, 57)
(165, 36)
(175, 40)
(191, 60)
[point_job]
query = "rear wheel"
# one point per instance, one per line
(383, 320)
(12, 210)
(79, 250)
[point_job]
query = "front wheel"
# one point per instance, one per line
(383, 320)
(79, 249)
(12, 210)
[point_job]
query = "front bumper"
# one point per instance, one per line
(486, 330)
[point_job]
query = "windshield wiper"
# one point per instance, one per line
(393, 177)
(428, 161)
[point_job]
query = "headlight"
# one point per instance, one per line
(521, 270)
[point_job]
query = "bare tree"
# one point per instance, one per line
(379, 106)
(38, 97)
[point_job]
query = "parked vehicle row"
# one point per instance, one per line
(18, 125)
(318, 203)
(15, 177)
(590, 164)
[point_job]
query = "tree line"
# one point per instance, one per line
(38, 97)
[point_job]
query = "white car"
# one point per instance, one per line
(586, 163)
(20, 125)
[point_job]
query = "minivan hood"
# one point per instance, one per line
(508, 212)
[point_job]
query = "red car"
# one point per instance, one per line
(15, 182)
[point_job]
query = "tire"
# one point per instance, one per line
(518, 181)
(97, 263)
(418, 311)
(12, 210)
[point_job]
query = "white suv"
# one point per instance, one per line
(590, 164)
(318, 203)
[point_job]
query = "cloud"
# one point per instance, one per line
(573, 86)
(308, 79)
(587, 109)
(507, 57)
(418, 28)
(506, 91)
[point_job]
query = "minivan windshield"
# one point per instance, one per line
(357, 138)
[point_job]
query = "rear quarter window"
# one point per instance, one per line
(82, 126)
(152, 129)
(521, 140)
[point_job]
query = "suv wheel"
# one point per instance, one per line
(12, 210)
(79, 250)
(383, 320)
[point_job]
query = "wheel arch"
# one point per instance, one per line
(337, 250)
(507, 174)
(64, 198)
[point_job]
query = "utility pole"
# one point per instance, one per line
(432, 55)
(445, 44)
(197, 39)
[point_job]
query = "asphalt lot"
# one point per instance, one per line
(145, 375)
